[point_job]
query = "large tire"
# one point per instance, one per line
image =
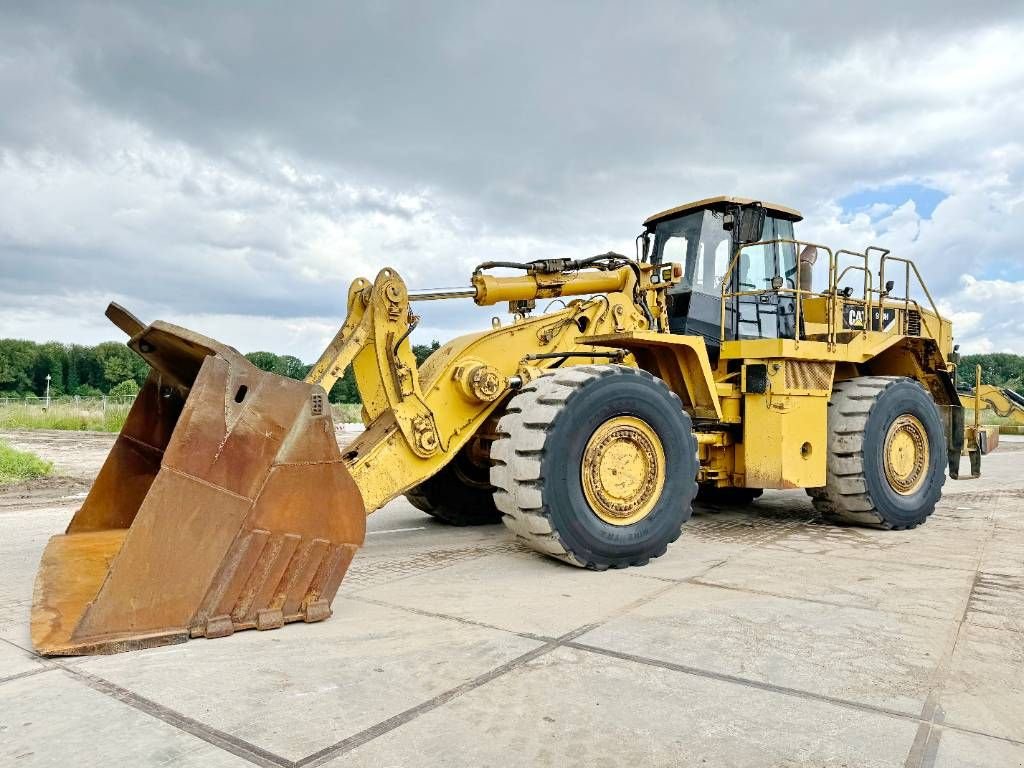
(595, 411)
(886, 454)
(460, 494)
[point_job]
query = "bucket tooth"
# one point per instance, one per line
(223, 505)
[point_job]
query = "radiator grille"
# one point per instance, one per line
(805, 374)
(913, 323)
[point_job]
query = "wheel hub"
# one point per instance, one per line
(623, 470)
(905, 454)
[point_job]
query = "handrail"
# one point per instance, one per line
(836, 273)
(727, 280)
(909, 265)
(868, 289)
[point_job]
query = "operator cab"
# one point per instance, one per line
(704, 237)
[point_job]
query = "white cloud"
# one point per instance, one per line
(987, 315)
(258, 253)
(235, 173)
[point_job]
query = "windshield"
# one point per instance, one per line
(758, 264)
(700, 244)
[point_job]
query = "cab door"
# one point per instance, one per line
(765, 313)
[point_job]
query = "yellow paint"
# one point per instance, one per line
(905, 454)
(680, 361)
(987, 397)
(419, 419)
(784, 431)
(623, 470)
(493, 290)
(784, 441)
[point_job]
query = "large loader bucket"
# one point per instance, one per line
(223, 505)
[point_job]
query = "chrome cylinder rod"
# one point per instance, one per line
(435, 294)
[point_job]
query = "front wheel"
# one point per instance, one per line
(595, 465)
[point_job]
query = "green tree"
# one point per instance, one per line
(89, 371)
(118, 363)
(266, 361)
(17, 365)
(344, 389)
(282, 365)
(72, 378)
(50, 360)
(292, 367)
(423, 351)
(1000, 369)
(127, 388)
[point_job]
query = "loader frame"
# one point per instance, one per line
(760, 408)
(227, 504)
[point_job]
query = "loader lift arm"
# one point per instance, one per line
(418, 419)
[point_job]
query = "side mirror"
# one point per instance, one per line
(751, 223)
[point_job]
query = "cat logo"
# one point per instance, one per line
(854, 314)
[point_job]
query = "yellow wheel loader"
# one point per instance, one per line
(724, 357)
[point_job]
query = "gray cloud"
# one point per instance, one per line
(250, 159)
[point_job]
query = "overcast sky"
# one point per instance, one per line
(232, 166)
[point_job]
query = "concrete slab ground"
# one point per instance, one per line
(763, 638)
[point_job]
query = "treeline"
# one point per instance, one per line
(74, 369)
(111, 368)
(1000, 369)
(344, 391)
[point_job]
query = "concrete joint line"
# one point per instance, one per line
(265, 759)
(386, 726)
(449, 617)
(925, 747)
(210, 735)
(938, 725)
(27, 673)
(817, 601)
(746, 682)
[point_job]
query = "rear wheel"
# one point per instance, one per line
(595, 465)
(887, 454)
(460, 494)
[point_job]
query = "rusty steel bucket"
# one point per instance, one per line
(223, 505)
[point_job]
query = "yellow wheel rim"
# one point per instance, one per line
(905, 454)
(623, 470)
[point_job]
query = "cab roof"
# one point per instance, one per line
(779, 211)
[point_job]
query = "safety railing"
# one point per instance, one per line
(865, 301)
(780, 289)
(871, 299)
(909, 267)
